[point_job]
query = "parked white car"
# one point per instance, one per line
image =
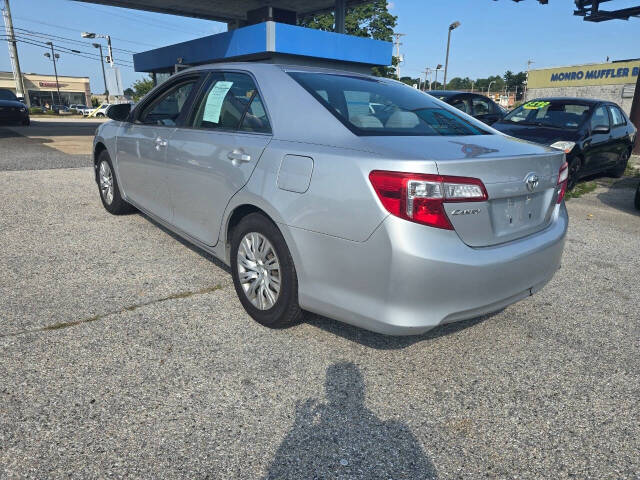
(101, 111)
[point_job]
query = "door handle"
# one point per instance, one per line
(238, 157)
(160, 143)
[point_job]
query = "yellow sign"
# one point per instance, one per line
(535, 105)
(614, 73)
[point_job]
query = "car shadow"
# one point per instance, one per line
(342, 438)
(380, 341)
(620, 194)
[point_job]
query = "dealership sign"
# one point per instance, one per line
(584, 75)
(52, 84)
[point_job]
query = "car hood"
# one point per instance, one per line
(534, 133)
(11, 103)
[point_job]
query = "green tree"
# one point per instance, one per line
(141, 88)
(371, 20)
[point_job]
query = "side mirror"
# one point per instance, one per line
(600, 129)
(119, 112)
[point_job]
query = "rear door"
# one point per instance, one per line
(214, 154)
(599, 148)
(618, 131)
(142, 147)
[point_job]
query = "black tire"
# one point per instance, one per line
(26, 122)
(114, 204)
(637, 201)
(618, 170)
(99, 114)
(285, 310)
(575, 164)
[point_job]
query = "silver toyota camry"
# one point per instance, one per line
(351, 196)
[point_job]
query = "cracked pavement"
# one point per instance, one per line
(124, 353)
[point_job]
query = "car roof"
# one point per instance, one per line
(445, 93)
(257, 66)
(584, 101)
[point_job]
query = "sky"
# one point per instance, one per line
(494, 36)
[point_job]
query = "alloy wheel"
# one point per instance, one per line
(106, 182)
(259, 270)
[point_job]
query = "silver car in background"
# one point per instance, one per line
(350, 196)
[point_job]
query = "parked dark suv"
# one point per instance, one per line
(478, 106)
(597, 136)
(12, 110)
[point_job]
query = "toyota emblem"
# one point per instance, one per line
(532, 181)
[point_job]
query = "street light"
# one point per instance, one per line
(104, 77)
(489, 87)
(54, 56)
(100, 35)
(452, 27)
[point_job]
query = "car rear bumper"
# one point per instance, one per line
(408, 278)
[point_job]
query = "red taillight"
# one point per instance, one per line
(562, 181)
(420, 197)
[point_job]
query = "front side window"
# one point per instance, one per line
(167, 108)
(617, 116)
(370, 106)
(600, 118)
(547, 113)
(231, 102)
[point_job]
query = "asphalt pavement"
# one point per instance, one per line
(124, 353)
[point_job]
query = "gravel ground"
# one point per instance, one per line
(124, 353)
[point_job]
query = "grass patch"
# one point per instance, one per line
(580, 189)
(630, 171)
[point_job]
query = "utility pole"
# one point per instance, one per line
(104, 76)
(55, 70)
(438, 67)
(13, 55)
(427, 71)
(396, 44)
(526, 85)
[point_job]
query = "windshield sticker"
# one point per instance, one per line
(535, 105)
(214, 101)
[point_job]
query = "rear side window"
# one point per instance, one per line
(368, 106)
(231, 102)
(461, 104)
(481, 106)
(617, 116)
(255, 119)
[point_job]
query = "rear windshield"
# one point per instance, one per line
(7, 95)
(546, 113)
(368, 106)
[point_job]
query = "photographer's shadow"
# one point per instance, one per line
(343, 439)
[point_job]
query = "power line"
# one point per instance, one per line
(75, 30)
(61, 49)
(59, 38)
